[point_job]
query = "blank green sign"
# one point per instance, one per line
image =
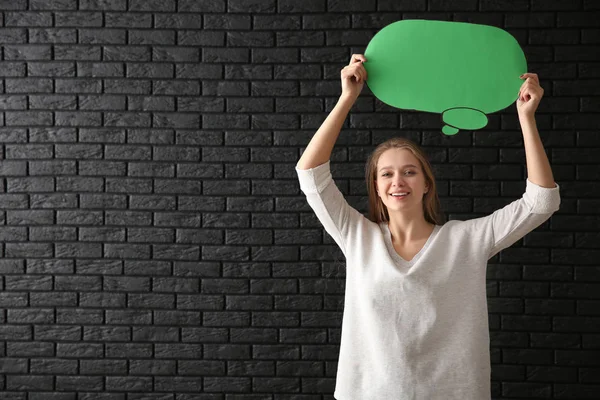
(462, 71)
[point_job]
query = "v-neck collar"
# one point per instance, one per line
(394, 254)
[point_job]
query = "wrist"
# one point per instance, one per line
(347, 99)
(527, 117)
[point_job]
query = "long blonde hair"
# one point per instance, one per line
(378, 212)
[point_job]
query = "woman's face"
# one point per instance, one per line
(398, 170)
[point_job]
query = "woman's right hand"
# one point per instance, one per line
(353, 76)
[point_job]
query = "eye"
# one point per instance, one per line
(407, 172)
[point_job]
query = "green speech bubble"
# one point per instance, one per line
(463, 71)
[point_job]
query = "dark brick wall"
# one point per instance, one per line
(156, 245)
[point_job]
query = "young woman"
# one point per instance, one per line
(415, 323)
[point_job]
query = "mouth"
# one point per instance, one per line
(400, 197)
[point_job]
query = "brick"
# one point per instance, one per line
(176, 120)
(351, 6)
(308, 6)
(248, 105)
(78, 19)
(101, 168)
(13, 4)
(179, 87)
(201, 104)
(54, 5)
(577, 19)
(21, 250)
(79, 151)
(150, 235)
(225, 88)
(77, 118)
(200, 38)
(28, 85)
(79, 184)
(127, 119)
(127, 20)
(216, 121)
(151, 103)
(102, 36)
(102, 135)
(12, 69)
(8, 102)
(50, 35)
(51, 69)
(277, 89)
(203, 6)
(27, 118)
(149, 70)
(123, 86)
(329, 21)
(177, 21)
(102, 201)
(78, 85)
(52, 234)
(102, 102)
(13, 35)
(143, 37)
(152, 5)
(29, 52)
(129, 152)
(227, 22)
(150, 202)
(250, 39)
(126, 53)
(553, 36)
(103, 5)
(76, 53)
(52, 168)
(224, 55)
(151, 170)
(308, 38)
(27, 18)
(174, 54)
(53, 134)
(177, 186)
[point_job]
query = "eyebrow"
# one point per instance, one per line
(389, 166)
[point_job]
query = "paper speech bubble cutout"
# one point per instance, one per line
(463, 71)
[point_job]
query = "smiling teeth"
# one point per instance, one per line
(399, 194)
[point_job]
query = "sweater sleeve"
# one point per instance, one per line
(522, 216)
(328, 203)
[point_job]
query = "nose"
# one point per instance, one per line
(399, 181)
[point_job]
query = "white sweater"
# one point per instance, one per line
(418, 329)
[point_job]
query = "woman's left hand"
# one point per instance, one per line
(530, 95)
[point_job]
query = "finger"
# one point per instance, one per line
(355, 58)
(362, 73)
(533, 76)
(523, 86)
(528, 94)
(357, 71)
(532, 85)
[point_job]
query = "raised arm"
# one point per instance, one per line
(321, 145)
(538, 167)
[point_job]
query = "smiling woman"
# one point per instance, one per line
(415, 321)
(400, 165)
